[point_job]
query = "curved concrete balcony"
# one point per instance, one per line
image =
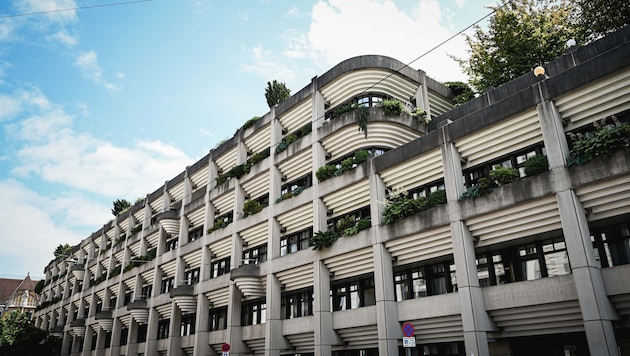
(185, 299)
(169, 221)
(247, 280)
(105, 320)
(139, 311)
(78, 327)
(78, 270)
(57, 331)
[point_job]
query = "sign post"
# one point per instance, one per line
(409, 340)
(225, 348)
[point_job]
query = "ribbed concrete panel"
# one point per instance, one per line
(224, 203)
(421, 246)
(135, 249)
(164, 310)
(168, 268)
(298, 116)
(93, 269)
(130, 283)
(260, 140)
(302, 342)
(125, 320)
(350, 264)
(296, 278)
(257, 186)
(119, 256)
(110, 233)
(515, 133)
(197, 216)
(438, 104)
(606, 199)
(193, 259)
(621, 303)
(380, 134)
(218, 297)
(439, 329)
(414, 173)
(361, 336)
(297, 165)
(152, 239)
(356, 82)
(539, 319)
(139, 216)
(531, 218)
(157, 205)
(177, 191)
(349, 198)
(227, 160)
(251, 287)
(114, 289)
(148, 276)
(221, 248)
(255, 235)
(296, 219)
(200, 177)
(595, 101)
(257, 346)
(124, 226)
(100, 294)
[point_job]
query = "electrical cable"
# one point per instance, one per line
(73, 9)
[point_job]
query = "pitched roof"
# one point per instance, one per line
(7, 287)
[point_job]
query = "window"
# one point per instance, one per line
(423, 281)
(297, 304)
(535, 260)
(300, 240)
(195, 234)
(142, 332)
(128, 296)
(163, 325)
(254, 312)
(108, 339)
(426, 190)
(223, 220)
(220, 267)
(112, 302)
(94, 339)
(255, 255)
(612, 244)
(217, 319)
(514, 160)
(168, 284)
(147, 291)
(187, 326)
(99, 305)
(362, 213)
(353, 294)
(191, 276)
(172, 244)
(370, 100)
(297, 184)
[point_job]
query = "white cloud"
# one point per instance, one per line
(341, 29)
(53, 150)
(54, 10)
(87, 62)
(64, 38)
(9, 107)
(293, 12)
(28, 228)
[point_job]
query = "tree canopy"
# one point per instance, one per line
(521, 35)
(18, 336)
(120, 205)
(276, 92)
(599, 17)
(62, 250)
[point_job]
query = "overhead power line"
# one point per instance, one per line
(73, 9)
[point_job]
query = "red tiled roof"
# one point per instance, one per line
(7, 287)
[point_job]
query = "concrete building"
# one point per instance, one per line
(221, 254)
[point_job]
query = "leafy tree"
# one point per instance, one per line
(599, 17)
(521, 35)
(62, 250)
(120, 205)
(276, 92)
(18, 336)
(462, 91)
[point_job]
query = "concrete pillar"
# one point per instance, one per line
(201, 347)
(274, 340)
(174, 335)
(475, 320)
(66, 343)
(554, 138)
(114, 349)
(151, 345)
(389, 331)
(325, 336)
(597, 310)
(132, 339)
(234, 329)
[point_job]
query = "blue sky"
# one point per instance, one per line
(109, 102)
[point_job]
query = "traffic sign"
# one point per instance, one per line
(408, 329)
(225, 347)
(409, 342)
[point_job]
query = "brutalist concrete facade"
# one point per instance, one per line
(220, 254)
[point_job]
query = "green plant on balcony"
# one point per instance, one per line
(535, 165)
(136, 229)
(251, 207)
(219, 224)
(323, 239)
(604, 141)
(399, 205)
(98, 280)
(363, 115)
(483, 187)
(306, 129)
(420, 116)
(328, 171)
(249, 123)
(325, 172)
(392, 107)
(291, 194)
(116, 271)
(120, 239)
(259, 156)
(504, 175)
(357, 226)
(342, 109)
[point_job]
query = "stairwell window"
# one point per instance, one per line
(219, 267)
(352, 294)
(296, 241)
(254, 312)
(187, 326)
